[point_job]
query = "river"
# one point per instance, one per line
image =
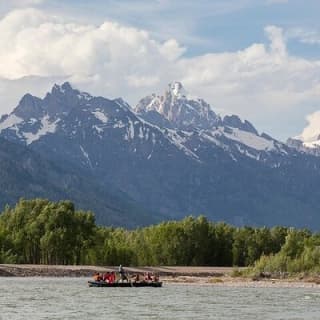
(70, 298)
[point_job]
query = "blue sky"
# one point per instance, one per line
(203, 26)
(256, 58)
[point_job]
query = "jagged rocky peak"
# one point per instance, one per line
(235, 122)
(62, 91)
(63, 98)
(178, 108)
(29, 107)
(60, 99)
(67, 90)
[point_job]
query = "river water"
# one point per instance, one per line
(70, 298)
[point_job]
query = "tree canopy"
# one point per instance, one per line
(40, 231)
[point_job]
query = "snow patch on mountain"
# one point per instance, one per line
(251, 140)
(45, 128)
(98, 129)
(179, 141)
(32, 121)
(85, 96)
(312, 144)
(219, 135)
(100, 116)
(130, 129)
(211, 136)
(86, 156)
(11, 121)
(141, 135)
(119, 124)
(121, 103)
(247, 153)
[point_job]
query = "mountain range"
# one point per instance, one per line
(169, 156)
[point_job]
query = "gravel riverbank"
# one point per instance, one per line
(30, 270)
(218, 276)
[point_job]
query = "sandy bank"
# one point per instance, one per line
(228, 281)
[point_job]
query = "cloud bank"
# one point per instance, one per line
(262, 82)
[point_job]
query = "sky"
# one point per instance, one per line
(259, 59)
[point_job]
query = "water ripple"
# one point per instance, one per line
(71, 299)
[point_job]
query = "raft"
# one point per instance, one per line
(124, 284)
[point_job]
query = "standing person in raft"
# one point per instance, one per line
(122, 274)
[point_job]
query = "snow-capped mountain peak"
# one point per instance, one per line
(177, 108)
(200, 129)
(35, 117)
(188, 125)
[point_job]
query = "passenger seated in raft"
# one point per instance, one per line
(112, 277)
(155, 278)
(97, 276)
(106, 277)
(147, 277)
(136, 277)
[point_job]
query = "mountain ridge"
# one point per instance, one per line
(173, 157)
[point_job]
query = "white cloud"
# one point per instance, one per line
(277, 43)
(307, 36)
(312, 131)
(262, 83)
(33, 43)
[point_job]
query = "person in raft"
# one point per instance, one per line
(112, 277)
(147, 277)
(97, 276)
(122, 274)
(109, 277)
(106, 277)
(136, 277)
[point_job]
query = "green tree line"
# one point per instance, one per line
(44, 232)
(299, 254)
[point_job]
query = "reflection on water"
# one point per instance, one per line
(70, 298)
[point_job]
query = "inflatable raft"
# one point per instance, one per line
(124, 284)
